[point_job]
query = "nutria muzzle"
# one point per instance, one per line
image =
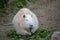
(29, 29)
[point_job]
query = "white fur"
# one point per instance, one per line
(20, 23)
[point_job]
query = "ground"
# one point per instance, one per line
(47, 11)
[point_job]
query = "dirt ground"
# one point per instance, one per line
(47, 11)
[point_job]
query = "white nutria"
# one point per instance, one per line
(55, 35)
(25, 22)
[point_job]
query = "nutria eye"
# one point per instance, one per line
(23, 16)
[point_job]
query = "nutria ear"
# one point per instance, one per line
(23, 16)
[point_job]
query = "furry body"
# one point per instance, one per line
(25, 22)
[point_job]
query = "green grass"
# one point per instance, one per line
(21, 3)
(44, 33)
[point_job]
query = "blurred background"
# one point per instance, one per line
(47, 11)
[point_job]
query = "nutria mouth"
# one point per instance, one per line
(29, 29)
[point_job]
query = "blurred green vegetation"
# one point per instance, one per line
(2, 3)
(4, 6)
(19, 3)
(22, 3)
(44, 33)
